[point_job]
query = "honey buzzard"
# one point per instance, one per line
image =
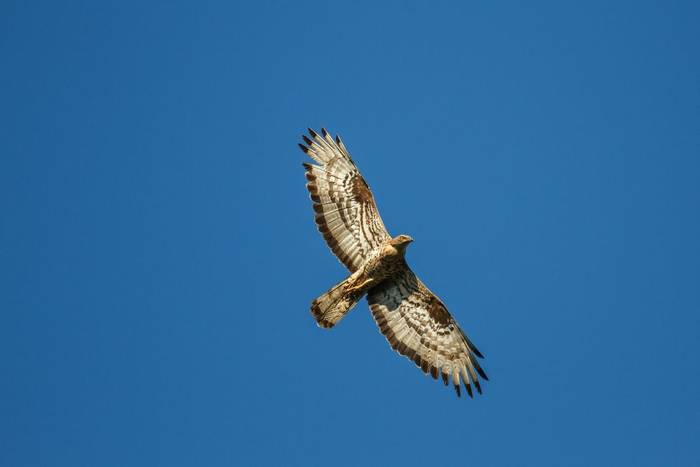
(412, 318)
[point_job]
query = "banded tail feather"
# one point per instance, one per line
(330, 307)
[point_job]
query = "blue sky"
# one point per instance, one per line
(159, 254)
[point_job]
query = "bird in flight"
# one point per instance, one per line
(412, 318)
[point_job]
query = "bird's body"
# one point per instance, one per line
(414, 320)
(384, 262)
(389, 260)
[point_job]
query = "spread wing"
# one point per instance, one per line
(346, 213)
(417, 325)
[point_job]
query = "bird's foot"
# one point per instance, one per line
(360, 287)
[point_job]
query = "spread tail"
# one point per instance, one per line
(330, 307)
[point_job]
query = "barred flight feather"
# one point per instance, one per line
(340, 195)
(436, 346)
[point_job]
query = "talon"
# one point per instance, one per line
(358, 288)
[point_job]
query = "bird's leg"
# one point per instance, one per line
(360, 287)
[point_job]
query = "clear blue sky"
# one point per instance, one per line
(158, 253)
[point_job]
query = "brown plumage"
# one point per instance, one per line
(414, 320)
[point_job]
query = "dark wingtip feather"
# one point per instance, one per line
(476, 351)
(458, 390)
(469, 389)
(325, 133)
(481, 373)
(307, 140)
(312, 132)
(471, 345)
(306, 165)
(477, 386)
(337, 139)
(444, 379)
(304, 148)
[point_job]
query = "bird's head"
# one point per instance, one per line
(400, 242)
